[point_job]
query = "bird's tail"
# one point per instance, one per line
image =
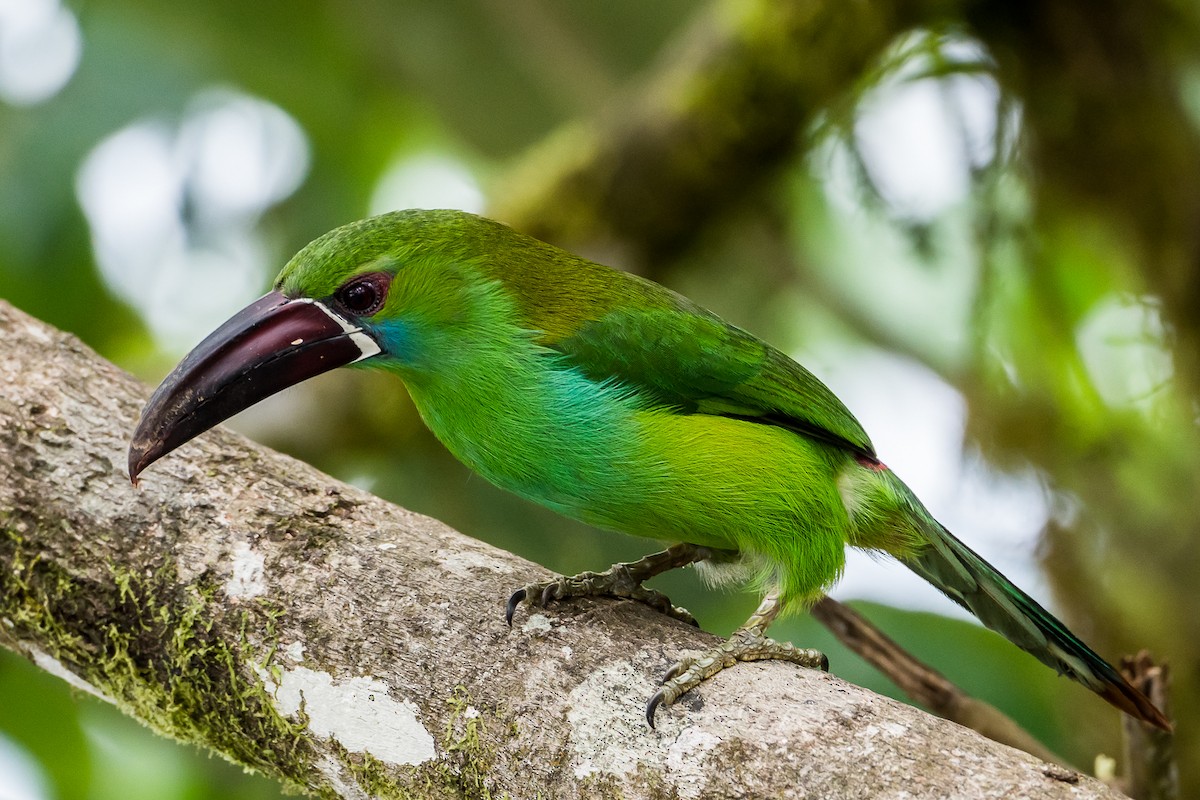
(964, 577)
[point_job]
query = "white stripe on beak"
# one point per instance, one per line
(366, 345)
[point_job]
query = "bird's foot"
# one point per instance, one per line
(618, 581)
(746, 644)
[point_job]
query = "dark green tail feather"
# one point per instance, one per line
(964, 577)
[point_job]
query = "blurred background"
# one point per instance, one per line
(978, 223)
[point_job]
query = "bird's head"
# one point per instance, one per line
(381, 291)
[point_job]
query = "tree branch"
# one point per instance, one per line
(1107, 132)
(246, 603)
(725, 108)
(1150, 754)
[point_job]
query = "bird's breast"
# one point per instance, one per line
(549, 435)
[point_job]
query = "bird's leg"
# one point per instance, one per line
(747, 643)
(620, 580)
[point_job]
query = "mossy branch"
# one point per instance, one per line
(725, 108)
(241, 601)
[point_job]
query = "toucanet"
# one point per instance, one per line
(614, 401)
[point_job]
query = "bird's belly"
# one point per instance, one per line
(734, 481)
(763, 491)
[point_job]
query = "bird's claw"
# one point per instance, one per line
(615, 582)
(513, 602)
(652, 706)
(746, 644)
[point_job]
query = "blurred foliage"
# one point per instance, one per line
(1056, 288)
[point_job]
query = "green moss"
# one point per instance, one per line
(464, 747)
(608, 787)
(172, 656)
(182, 660)
(372, 775)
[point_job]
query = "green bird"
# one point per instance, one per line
(614, 401)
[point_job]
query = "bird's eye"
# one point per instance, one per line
(363, 295)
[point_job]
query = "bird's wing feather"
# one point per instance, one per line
(680, 355)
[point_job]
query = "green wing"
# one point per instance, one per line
(612, 325)
(680, 355)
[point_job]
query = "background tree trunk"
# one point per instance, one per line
(242, 601)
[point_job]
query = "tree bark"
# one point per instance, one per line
(244, 602)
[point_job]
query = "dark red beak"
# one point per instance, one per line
(266, 347)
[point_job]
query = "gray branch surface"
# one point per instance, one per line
(242, 601)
